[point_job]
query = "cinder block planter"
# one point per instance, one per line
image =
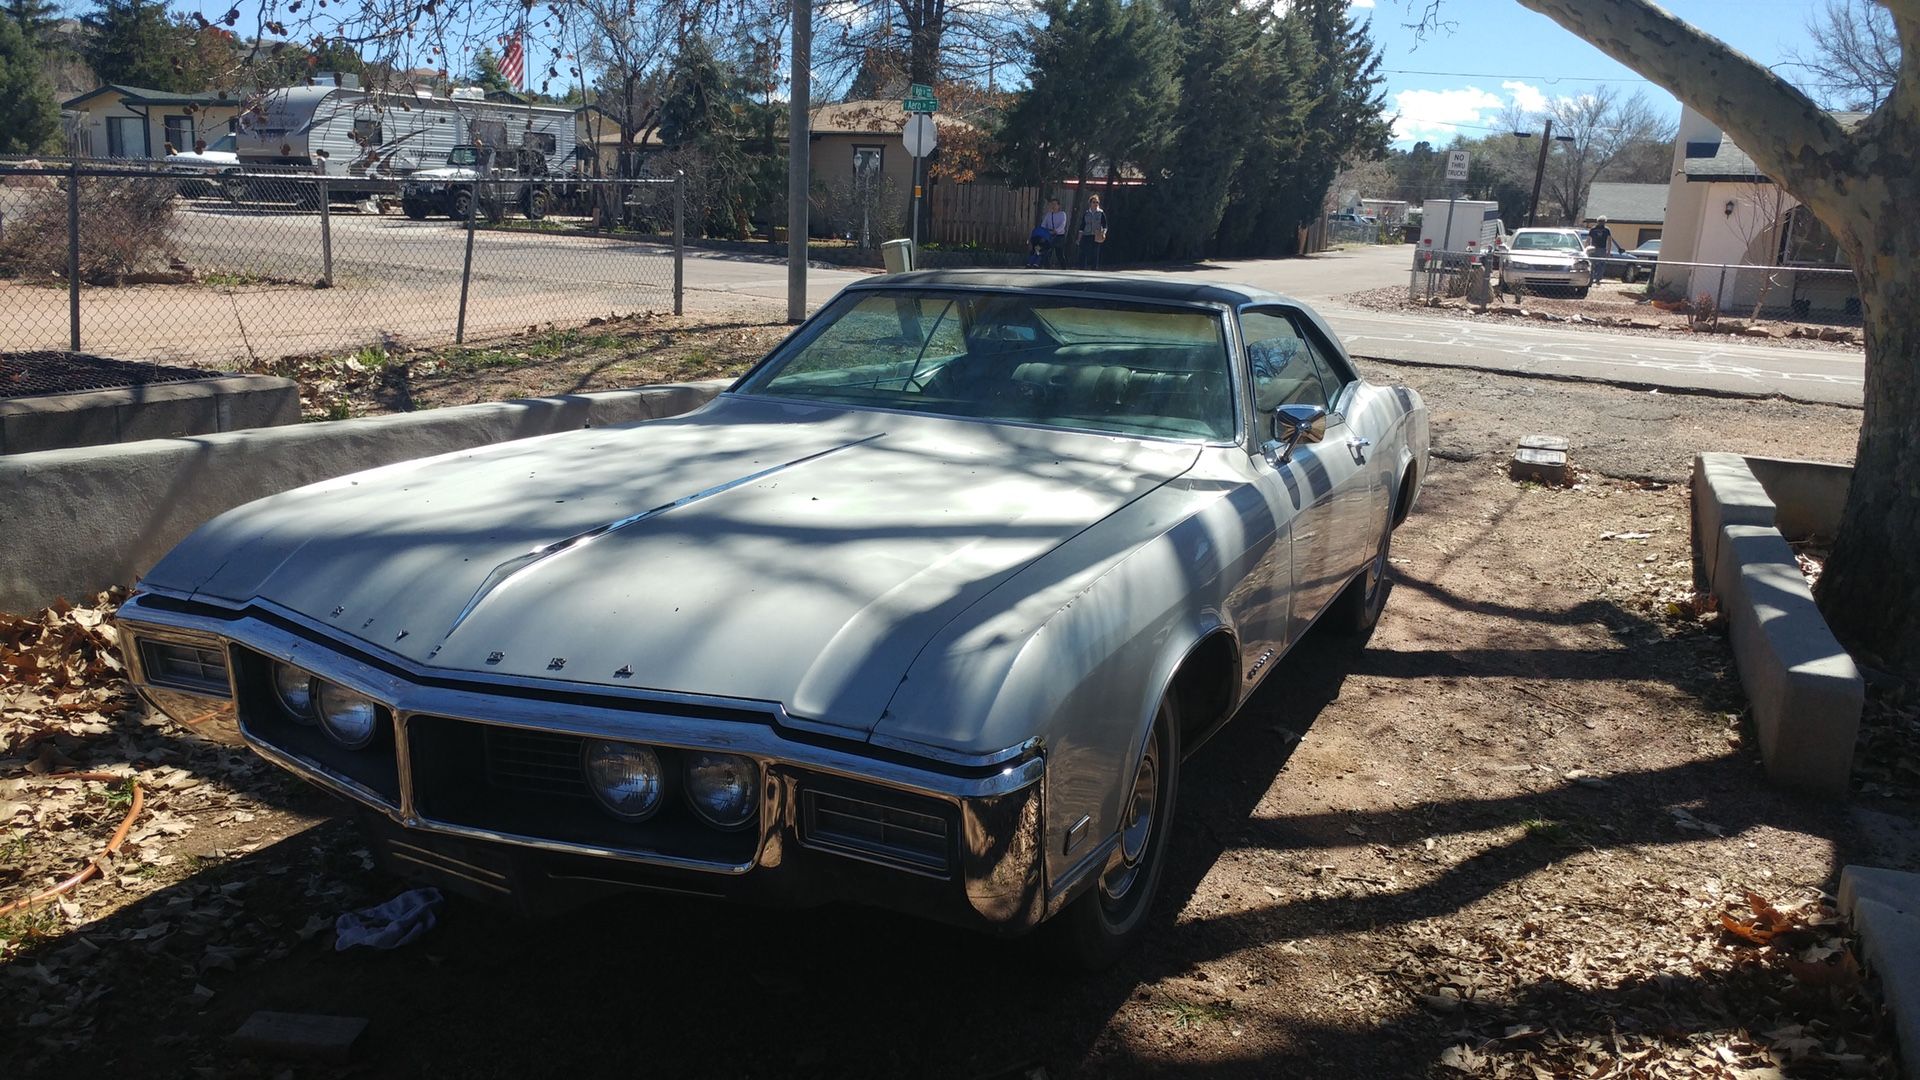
(129, 414)
(1806, 693)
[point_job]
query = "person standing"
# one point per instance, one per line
(1055, 222)
(1600, 247)
(1093, 233)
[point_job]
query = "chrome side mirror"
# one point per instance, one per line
(1293, 425)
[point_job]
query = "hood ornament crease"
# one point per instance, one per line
(504, 574)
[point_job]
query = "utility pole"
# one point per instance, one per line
(1540, 171)
(799, 84)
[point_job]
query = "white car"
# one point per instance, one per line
(1547, 259)
(204, 166)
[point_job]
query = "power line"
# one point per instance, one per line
(1489, 75)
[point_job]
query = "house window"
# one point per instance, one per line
(180, 132)
(867, 163)
(126, 137)
(368, 133)
(1806, 241)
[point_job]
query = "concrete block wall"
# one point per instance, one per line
(77, 521)
(131, 414)
(1804, 690)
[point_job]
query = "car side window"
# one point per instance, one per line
(1283, 364)
(1333, 375)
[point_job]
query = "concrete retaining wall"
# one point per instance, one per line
(77, 521)
(1808, 496)
(161, 411)
(1804, 690)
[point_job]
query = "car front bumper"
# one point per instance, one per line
(953, 839)
(1545, 276)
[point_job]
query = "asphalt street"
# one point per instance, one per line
(400, 279)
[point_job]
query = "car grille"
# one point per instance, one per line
(535, 761)
(886, 832)
(181, 666)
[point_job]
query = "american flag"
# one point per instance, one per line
(513, 63)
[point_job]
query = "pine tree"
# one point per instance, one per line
(136, 43)
(486, 73)
(35, 19)
(29, 119)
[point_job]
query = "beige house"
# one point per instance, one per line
(1635, 213)
(1726, 220)
(860, 172)
(115, 121)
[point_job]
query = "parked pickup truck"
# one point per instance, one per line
(516, 178)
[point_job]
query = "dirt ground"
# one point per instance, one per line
(1497, 838)
(1618, 307)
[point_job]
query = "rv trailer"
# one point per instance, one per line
(364, 141)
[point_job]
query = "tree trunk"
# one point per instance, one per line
(1870, 590)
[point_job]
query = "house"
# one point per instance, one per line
(858, 168)
(116, 121)
(598, 140)
(1724, 214)
(1635, 213)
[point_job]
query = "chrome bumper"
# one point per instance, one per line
(994, 878)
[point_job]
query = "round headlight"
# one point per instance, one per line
(294, 688)
(625, 777)
(723, 788)
(348, 718)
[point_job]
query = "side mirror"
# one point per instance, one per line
(1293, 425)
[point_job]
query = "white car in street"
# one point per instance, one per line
(1547, 259)
(202, 167)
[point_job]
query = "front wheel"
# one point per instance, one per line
(462, 207)
(1110, 918)
(415, 209)
(1581, 292)
(537, 204)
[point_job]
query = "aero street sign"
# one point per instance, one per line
(1456, 164)
(919, 134)
(920, 99)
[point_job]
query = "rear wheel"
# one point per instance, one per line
(537, 204)
(1111, 917)
(414, 208)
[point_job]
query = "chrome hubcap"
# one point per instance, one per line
(1136, 827)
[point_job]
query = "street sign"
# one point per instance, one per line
(919, 135)
(1456, 164)
(920, 91)
(920, 105)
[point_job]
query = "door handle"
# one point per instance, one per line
(1358, 446)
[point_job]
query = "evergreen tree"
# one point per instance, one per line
(136, 43)
(486, 73)
(707, 117)
(29, 119)
(36, 20)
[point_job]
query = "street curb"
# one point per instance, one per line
(1884, 908)
(1622, 384)
(80, 520)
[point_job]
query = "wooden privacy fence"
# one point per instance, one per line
(990, 215)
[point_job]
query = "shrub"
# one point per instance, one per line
(124, 226)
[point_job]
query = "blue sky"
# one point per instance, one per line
(1499, 52)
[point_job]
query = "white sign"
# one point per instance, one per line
(919, 134)
(1456, 164)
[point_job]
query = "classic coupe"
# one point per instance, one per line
(922, 612)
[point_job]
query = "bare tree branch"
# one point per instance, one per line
(1854, 59)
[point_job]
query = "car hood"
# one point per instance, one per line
(211, 159)
(1560, 259)
(443, 173)
(755, 549)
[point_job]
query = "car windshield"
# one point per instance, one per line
(1099, 365)
(462, 155)
(1651, 245)
(1545, 241)
(222, 145)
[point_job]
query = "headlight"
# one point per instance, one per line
(294, 687)
(348, 718)
(625, 777)
(723, 788)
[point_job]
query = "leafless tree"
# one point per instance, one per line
(1853, 59)
(1604, 126)
(931, 39)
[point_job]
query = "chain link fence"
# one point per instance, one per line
(234, 267)
(1701, 296)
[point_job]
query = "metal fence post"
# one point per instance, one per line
(326, 233)
(466, 269)
(73, 254)
(679, 240)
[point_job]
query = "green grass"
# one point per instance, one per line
(42, 921)
(1553, 832)
(229, 279)
(371, 356)
(14, 849)
(120, 797)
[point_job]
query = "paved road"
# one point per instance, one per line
(1715, 364)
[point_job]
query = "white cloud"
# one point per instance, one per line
(1427, 114)
(1528, 97)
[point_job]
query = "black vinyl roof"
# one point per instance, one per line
(1087, 283)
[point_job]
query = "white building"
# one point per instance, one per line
(1728, 226)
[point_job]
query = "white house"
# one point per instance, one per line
(1725, 220)
(114, 121)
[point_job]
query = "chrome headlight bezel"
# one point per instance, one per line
(293, 689)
